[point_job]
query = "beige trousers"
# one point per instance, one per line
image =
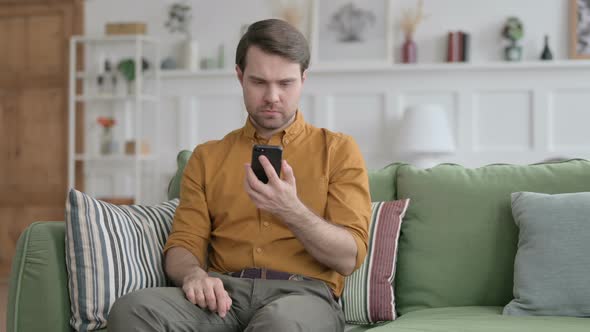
(257, 305)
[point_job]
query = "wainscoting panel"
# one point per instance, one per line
(354, 113)
(499, 112)
(569, 119)
(502, 121)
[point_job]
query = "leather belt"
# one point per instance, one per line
(261, 273)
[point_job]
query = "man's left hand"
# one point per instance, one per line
(279, 195)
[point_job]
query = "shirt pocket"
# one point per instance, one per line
(313, 192)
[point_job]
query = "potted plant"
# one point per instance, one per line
(513, 31)
(127, 68)
(107, 145)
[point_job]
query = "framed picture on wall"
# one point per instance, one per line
(579, 29)
(349, 32)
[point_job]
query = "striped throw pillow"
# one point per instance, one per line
(368, 292)
(110, 251)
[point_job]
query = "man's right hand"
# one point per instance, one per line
(206, 292)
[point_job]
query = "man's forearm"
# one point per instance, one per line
(330, 244)
(179, 263)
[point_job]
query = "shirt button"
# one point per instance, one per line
(265, 224)
(258, 250)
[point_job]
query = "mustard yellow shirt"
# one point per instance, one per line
(215, 209)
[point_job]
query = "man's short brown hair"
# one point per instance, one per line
(277, 37)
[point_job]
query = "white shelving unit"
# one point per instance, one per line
(145, 95)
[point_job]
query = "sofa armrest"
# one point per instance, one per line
(38, 297)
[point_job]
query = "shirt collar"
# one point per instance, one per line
(287, 134)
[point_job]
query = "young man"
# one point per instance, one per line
(276, 252)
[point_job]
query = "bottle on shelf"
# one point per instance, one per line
(113, 78)
(546, 54)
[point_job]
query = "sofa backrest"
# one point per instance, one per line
(382, 181)
(458, 238)
(174, 185)
(38, 294)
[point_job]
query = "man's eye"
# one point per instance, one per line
(285, 83)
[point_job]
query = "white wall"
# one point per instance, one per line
(499, 112)
(218, 22)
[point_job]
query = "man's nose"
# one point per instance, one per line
(271, 95)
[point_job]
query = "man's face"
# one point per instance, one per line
(272, 87)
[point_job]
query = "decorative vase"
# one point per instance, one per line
(409, 51)
(131, 88)
(513, 52)
(190, 55)
(107, 143)
(546, 54)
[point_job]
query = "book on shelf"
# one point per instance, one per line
(458, 46)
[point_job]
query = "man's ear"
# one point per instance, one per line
(303, 76)
(240, 75)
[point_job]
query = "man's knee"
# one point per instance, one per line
(275, 319)
(298, 313)
(132, 311)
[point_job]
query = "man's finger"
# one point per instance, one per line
(222, 299)
(229, 300)
(271, 174)
(288, 174)
(200, 298)
(256, 197)
(190, 295)
(210, 298)
(251, 182)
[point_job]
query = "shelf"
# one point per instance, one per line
(398, 67)
(147, 75)
(147, 94)
(118, 38)
(179, 73)
(115, 157)
(98, 98)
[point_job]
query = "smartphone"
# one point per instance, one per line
(273, 153)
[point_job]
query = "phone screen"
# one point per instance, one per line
(274, 153)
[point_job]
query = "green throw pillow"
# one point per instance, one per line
(552, 266)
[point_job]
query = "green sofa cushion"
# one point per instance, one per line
(38, 291)
(480, 319)
(552, 265)
(174, 185)
(458, 239)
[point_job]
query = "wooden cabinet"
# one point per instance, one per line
(33, 114)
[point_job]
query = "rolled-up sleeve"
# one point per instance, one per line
(349, 201)
(191, 227)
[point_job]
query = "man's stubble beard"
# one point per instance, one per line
(259, 119)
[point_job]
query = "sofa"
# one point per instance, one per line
(455, 259)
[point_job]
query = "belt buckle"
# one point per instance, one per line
(296, 277)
